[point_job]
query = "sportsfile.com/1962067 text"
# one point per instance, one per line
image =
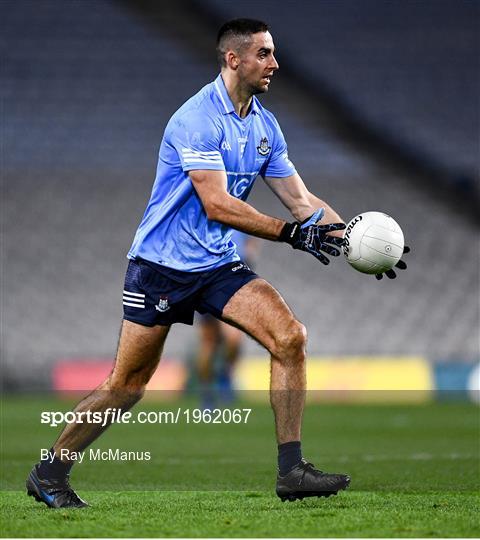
(117, 416)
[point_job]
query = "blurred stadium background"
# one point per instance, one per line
(379, 104)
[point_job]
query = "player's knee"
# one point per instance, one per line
(127, 390)
(298, 337)
(291, 342)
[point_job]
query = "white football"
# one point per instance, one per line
(373, 242)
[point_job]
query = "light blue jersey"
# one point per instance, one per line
(206, 133)
(240, 240)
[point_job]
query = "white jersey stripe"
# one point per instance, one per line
(188, 149)
(202, 160)
(199, 152)
(205, 156)
(193, 156)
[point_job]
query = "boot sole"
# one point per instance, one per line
(33, 492)
(300, 495)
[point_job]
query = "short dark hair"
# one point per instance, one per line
(236, 34)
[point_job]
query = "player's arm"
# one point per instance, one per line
(219, 205)
(303, 204)
(300, 202)
(318, 227)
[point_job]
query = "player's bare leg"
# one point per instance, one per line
(231, 347)
(209, 343)
(138, 355)
(137, 358)
(258, 309)
(209, 339)
(233, 340)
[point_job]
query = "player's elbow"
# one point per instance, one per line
(216, 209)
(211, 210)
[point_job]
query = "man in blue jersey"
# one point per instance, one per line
(183, 259)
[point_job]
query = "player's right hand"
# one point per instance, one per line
(400, 264)
(312, 238)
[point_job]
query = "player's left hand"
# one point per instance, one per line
(400, 264)
(312, 238)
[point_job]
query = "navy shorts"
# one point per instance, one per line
(154, 294)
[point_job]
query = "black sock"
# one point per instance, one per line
(56, 469)
(289, 455)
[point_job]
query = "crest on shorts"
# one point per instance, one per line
(162, 305)
(263, 149)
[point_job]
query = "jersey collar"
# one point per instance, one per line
(226, 104)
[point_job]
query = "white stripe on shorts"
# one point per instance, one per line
(134, 300)
(142, 306)
(126, 293)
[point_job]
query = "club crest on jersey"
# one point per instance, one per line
(162, 305)
(263, 148)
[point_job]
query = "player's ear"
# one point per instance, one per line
(232, 59)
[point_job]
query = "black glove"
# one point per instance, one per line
(313, 238)
(400, 264)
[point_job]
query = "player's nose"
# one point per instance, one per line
(274, 64)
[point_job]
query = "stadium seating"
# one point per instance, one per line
(408, 69)
(88, 87)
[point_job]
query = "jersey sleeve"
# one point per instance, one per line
(279, 166)
(196, 140)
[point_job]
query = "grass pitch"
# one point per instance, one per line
(415, 473)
